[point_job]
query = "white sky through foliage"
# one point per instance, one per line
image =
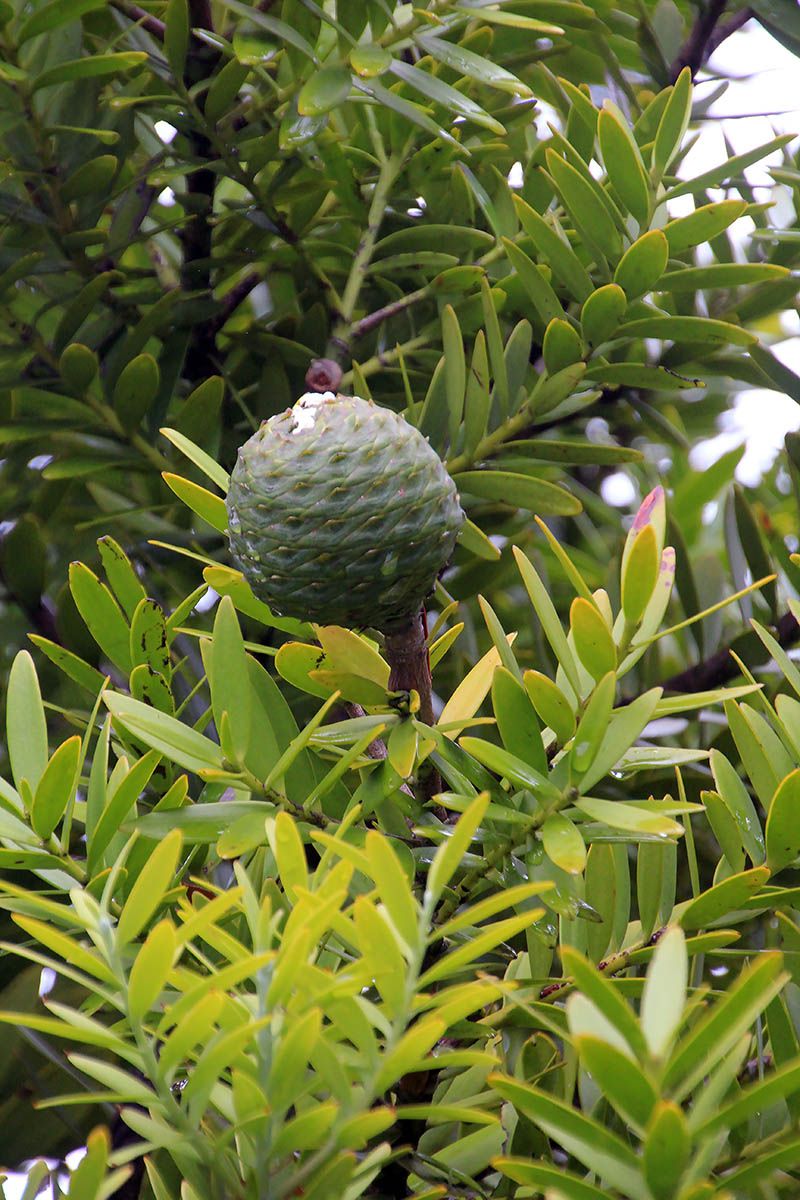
(761, 101)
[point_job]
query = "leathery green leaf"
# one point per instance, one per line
(549, 1180)
(563, 843)
(602, 313)
(624, 727)
(183, 744)
(379, 948)
(723, 899)
(439, 92)
(656, 881)
(544, 299)
(730, 168)
(370, 60)
(643, 264)
(580, 198)
(287, 846)
(232, 583)
(516, 719)
(602, 993)
(102, 615)
(207, 465)
(703, 224)
(783, 826)
(725, 829)
(286, 1077)
(688, 329)
(561, 346)
(563, 261)
(393, 886)
(125, 583)
(640, 575)
(466, 62)
(55, 788)
(719, 1029)
(208, 506)
(593, 723)
(551, 704)
(136, 389)
(666, 1150)
(584, 1017)
(760, 764)
(54, 17)
(720, 275)
(402, 748)
(621, 815)
(228, 677)
(148, 890)
(449, 854)
(592, 637)
(632, 374)
(738, 801)
(455, 371)
(150, 969)
(26, 728)
(413, 1045)
(176, 35)
(476, 403)
(507, 764)
(92, 177)
(118, 804)
(525, 491)
(325, 90)
(149, 641)
(623, 162)
(622, 1081)
(480, 943)
(664, 993)
(545, 611)
(469, 695)
(581, 1136)
(674, 123)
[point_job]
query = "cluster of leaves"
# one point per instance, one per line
(287, 970)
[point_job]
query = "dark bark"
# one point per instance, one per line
(198, 233)
(721, 667)
(410, 670)
(706, 35)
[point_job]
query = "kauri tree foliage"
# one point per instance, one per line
(269, 928)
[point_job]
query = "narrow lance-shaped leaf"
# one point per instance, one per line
(26, 728)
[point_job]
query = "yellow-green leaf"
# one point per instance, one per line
(594, 644)
(643, 264)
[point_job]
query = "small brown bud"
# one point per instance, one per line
(324, 375)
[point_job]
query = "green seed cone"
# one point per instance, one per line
(340, 512)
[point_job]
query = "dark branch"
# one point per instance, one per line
(728, 27)
(151, 24)
(721, 667)
(694, 51)
(197, 234)
(232, 299)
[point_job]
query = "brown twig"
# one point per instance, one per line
(410, 670)
(232, 299)
(728, 27)
(721, 667)
(694, 50)
(152, 25)
(382, 314)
